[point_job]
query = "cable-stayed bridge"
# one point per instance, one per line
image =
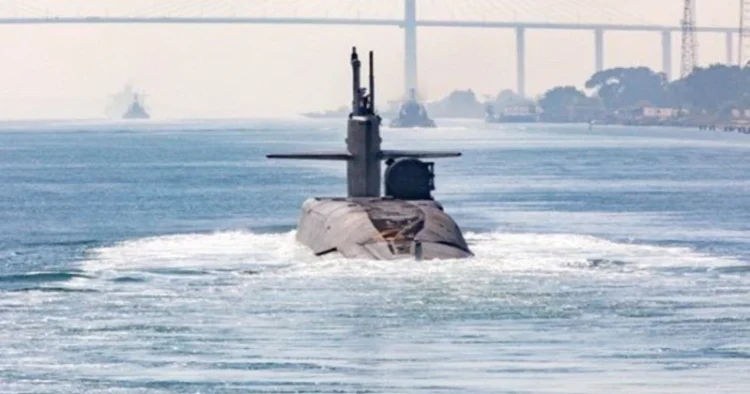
(597, 16)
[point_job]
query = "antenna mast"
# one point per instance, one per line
(689, 41)
(744, 45)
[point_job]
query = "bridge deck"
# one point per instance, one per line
(346, 21)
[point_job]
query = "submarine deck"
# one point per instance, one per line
(380, 228)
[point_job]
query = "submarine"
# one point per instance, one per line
(404, 223)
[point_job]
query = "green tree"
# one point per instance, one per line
(508, 98)
(625, 87)
(558, 104)
(713, 87)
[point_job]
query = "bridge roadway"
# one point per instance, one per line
(349, 21)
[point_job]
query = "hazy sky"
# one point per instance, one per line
(252, 70)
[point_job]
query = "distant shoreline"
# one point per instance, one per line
(633, 123)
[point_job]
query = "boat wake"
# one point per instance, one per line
(426, 129)
(497, 254)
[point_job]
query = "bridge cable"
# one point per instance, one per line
(34, 9)
(491, 7)
(571, 12)
(527, 7)
(452, 10)
(613, 10)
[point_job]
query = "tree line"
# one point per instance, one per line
(715, 90)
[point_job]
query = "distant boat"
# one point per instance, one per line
(518, 114)
(412, 114)
(136, 110)
(332, 114)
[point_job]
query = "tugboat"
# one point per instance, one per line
(136, 110)
(406, 223)
(412, 114)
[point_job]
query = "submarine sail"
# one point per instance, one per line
(404, 223)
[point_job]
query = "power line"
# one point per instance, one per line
(744, 44)
(689, 42)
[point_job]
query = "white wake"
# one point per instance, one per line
(496, 253)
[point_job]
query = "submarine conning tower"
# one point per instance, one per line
(363, 155)
(363, 136)
(407, 221)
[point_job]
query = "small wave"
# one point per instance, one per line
(52, 289)
(131, 327)
(733, 269)
(127, 279)
(7, 254)
(41, 277)
(82, 242)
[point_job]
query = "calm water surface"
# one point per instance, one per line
(159, 257)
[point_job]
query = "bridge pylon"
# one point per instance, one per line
(410, 46)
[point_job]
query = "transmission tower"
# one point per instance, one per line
(744, 45)
(689, 42)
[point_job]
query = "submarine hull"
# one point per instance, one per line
(380, 228)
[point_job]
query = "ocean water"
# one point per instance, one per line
(159, 257)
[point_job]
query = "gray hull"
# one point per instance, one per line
(408, 223)
(380, 229)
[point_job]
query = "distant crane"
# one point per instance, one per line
(689, 41)
(744, 45)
